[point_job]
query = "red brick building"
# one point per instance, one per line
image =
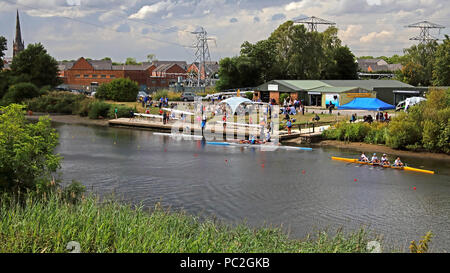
(88, 74)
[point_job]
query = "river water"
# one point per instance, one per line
(304, 191)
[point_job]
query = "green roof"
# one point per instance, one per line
(339, 85)
(332, 89)
(367, 84)
(302, 84)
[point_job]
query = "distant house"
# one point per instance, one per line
(85, 74)
(182, 64)
(166, 74)
(376, 65)
(209, 69)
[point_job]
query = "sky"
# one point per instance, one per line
(118, 29)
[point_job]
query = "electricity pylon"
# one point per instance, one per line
(425, 27)
(313, 21)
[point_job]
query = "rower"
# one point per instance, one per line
(398, 162)
(363, 158)
(384, 160)
(253, 141)
(374, 159)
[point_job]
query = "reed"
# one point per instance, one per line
(46, 225)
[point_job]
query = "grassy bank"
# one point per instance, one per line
(425, 127)
(47, 226)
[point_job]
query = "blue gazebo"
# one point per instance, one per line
(370, 104)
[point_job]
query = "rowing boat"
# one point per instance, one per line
(406, 168)
(179, 135)
(262, 146)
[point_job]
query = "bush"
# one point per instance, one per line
(377, 134)
(82, 107)
(20, 92)
(57, 102)
(104, 92)
(118, 90)
(98, 109)
(249, 95)
(122, 111)
(26, 151)
(362, 132)
(174, 96)
(160, 94)
(402, 132)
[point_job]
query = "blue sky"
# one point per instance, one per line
(119, 29)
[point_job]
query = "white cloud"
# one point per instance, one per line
(151, 9)
(366, 25)
(376, 37)
(293, 6)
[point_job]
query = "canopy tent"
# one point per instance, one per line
(234, 102)
(371, 104)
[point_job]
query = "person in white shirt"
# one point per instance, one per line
(398, 162)
(375, 159)
(363, 158)
(385, 160)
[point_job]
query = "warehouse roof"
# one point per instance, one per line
(307, 85)
(332, 89)
(367, 84)
(302, 84)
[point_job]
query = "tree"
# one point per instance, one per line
(19, 92)
(412, 73)
(36, 65)
(229, 74)
(151, 57)
(131, 61)
(345, 67)
(118, 90)
(290, 52)
(3, 47)
(441, 71)
(418, 64)
(26, 151)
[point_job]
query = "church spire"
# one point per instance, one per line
(18, 44)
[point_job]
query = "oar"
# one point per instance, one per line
(418, 170)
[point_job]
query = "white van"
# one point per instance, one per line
(405, 104)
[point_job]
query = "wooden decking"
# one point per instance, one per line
(151, 124)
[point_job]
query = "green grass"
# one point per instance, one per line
(47, 226)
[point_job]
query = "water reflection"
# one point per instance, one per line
(302, 190)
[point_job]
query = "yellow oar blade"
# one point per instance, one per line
(344, 159)
(417, 170)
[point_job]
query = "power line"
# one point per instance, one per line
(202, 55)
(313, 21)
(425, 27)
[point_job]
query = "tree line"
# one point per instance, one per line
(33, 72)
(427, 64)
(290, 53)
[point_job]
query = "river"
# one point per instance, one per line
(304, 191)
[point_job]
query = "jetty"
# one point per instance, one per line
(156, 124)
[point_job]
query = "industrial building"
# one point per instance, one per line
(339, 92)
